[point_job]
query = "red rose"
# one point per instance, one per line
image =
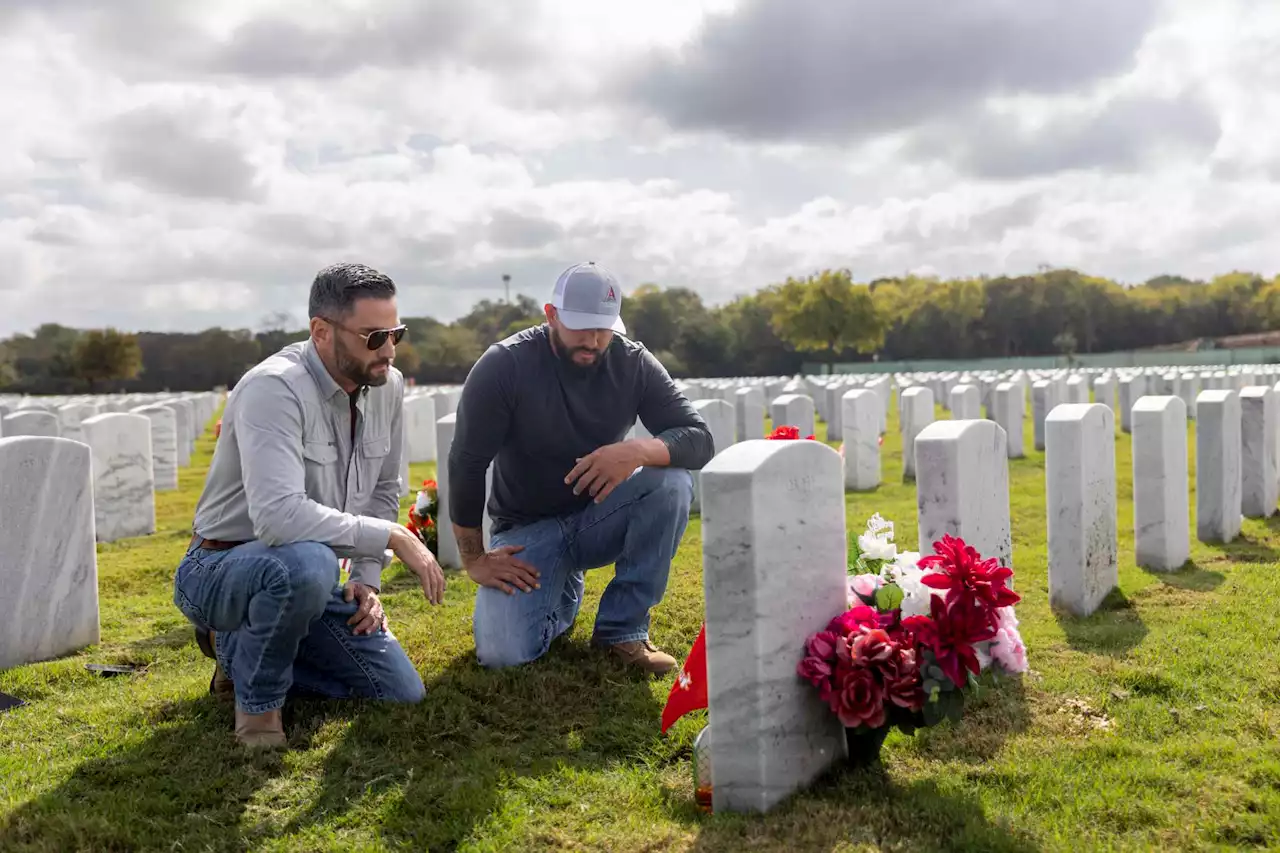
(859, 699)
(902, 685)
(851, 622)
(872, 647)
(815, 670)
(822, 645)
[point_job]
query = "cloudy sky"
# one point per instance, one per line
(176, 165)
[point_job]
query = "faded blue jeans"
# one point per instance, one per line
(281, 625)
(637, 528)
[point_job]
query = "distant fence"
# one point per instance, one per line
(1205, 358)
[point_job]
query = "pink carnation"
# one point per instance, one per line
(1007, 648)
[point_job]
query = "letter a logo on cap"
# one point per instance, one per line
(611, 296)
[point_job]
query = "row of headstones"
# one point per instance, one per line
(133, 454)
(58, 498)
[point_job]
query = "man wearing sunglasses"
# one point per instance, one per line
(307, 471)
(551, 407)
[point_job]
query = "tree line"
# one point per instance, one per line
(826, 317)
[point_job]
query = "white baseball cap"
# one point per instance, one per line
(588, 296)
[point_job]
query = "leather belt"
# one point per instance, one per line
(211, 544)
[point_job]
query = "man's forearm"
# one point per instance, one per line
(655, 452)
(470, 542)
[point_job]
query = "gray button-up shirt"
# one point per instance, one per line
(285, 468)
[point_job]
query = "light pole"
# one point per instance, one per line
(506, 283)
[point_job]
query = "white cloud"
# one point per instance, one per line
(199, 165)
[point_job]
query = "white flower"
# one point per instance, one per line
(875, 548)
(877, 526)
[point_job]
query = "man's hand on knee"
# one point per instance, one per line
(500, 570)
(369, 615)
(602, 470)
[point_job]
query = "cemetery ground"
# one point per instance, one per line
(1151, 725)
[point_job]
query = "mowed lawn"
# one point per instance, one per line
(1152, 725)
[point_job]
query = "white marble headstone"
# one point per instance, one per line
(719, 416)
(793, 410)
(32, 423)
(966, 403)
(1218, 478)
(447, 553)
(123, 480)
(1161, 507)
(164, 445)
(1260, 477)
(917, 413)
(48, 561)
(420, 428)
(1080, 500)
(1008, 403)
(773, 563)
(748, 413)
(962, 486)
(860, 431)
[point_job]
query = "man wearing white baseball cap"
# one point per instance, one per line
(551, 407)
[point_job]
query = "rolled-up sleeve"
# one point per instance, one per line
(672, 419)
(385, 501)
(269, 432)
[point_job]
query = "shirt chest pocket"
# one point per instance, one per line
(320, 461)
(371, 455)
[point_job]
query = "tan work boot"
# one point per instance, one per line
(260, 731)
(221, 686)
(643, 654)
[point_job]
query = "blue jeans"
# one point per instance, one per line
(637, 528)
(281, 625)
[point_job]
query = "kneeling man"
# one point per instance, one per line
(307, 470)
(550, 407)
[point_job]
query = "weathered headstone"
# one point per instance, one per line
(1161, 507)
(962, 486)
(123, 483)
(32, 423)
(48, 562)
(1007, 408)
(447, 543)
(1260, 476)
(420, 428)
(748, 413)
(793, 410)
(719, 416)
(966, 403)
(1080, 499)
(917, 413)
(860, 432)
(164, 445)
(1218, 477)
(1041, 405)
(1131, 389)
(1104, 391)
(773, 565)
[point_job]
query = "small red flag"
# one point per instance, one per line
(689, 693)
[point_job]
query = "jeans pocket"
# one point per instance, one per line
(188, 588)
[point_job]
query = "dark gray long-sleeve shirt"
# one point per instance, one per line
(522, 409)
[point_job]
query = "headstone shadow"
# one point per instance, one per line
(851, 809)
(183, 786)
(1189, 577)
(452, 755)
(1243, 549)
(1113, 629)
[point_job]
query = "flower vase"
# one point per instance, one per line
(865, 745)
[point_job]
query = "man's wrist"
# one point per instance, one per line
(653, 452)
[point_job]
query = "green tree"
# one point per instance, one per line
(105, 355)
(407, 359)
(826, 313)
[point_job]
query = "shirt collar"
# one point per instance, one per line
(328, 386)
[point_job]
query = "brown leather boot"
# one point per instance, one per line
(221, 685)
(260, 731)
(643, 654)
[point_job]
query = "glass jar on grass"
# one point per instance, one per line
(702, 769)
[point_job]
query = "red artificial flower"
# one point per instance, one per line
(811, 438)
(852, 620)
(956, 627)
(967, 577)
(784, 433)
(822, 645)
(901, 677)
(872, 647)
(817, 671)
(858, 699)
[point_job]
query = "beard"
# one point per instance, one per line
(350, 367)
(565, 354)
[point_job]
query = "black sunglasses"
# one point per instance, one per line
(374, 340)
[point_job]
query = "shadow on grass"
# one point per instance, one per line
(1114, 628)
(429, 774)
(866, 806)
(1189, 577)
(184, 785)
(1243, 549)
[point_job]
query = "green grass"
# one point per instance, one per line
(1151, 725)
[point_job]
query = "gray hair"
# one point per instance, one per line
(337, 287)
